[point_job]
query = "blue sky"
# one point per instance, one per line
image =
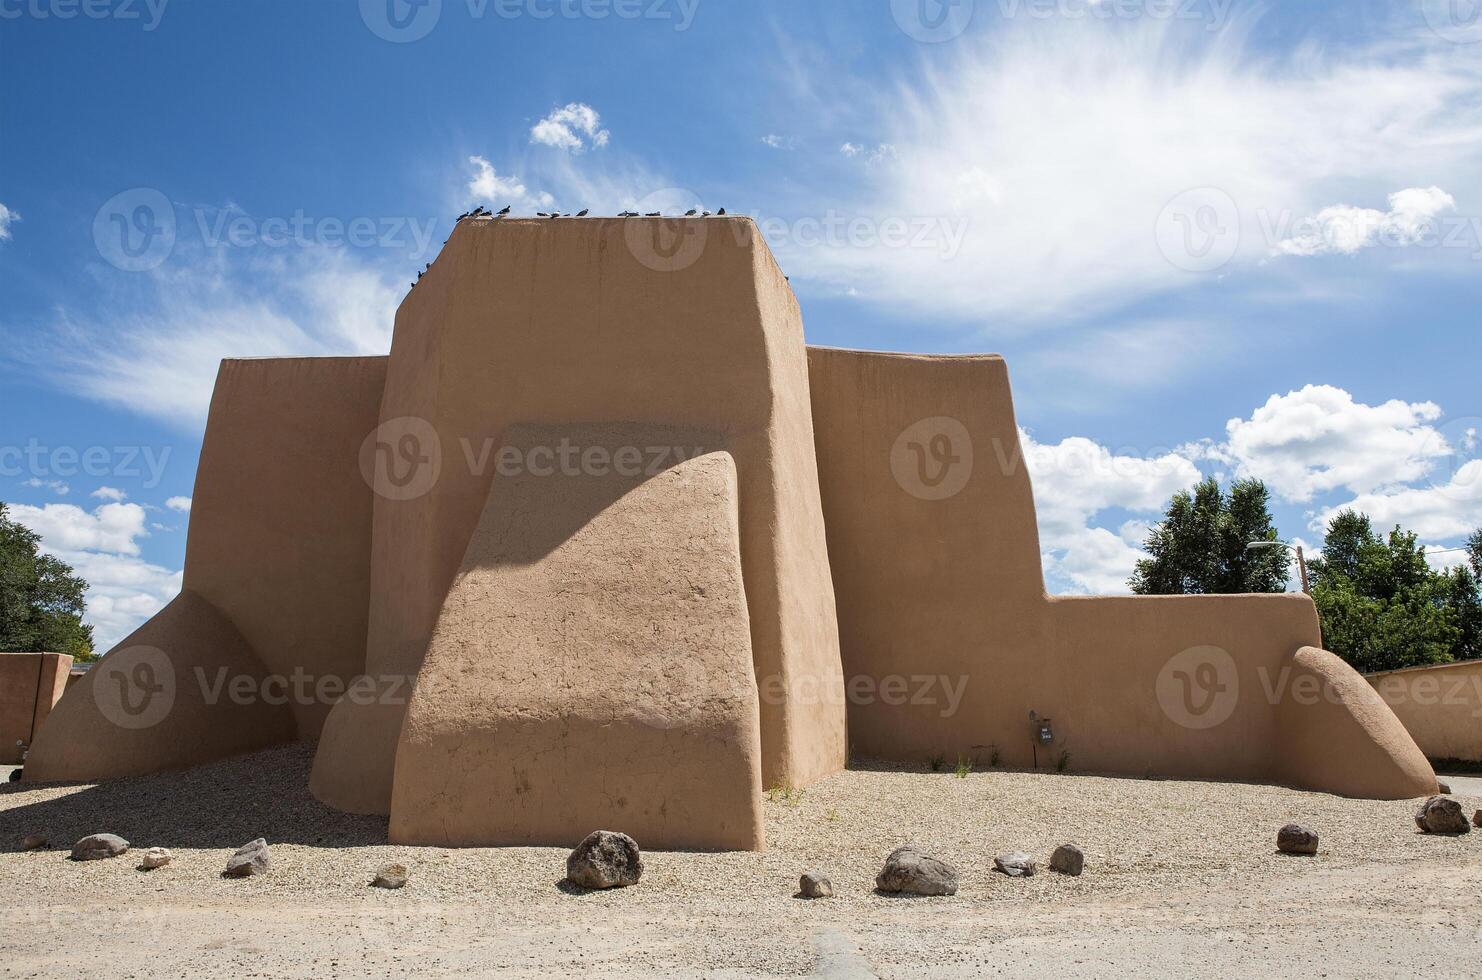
(1211, 237)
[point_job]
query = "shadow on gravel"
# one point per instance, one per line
(225, 804)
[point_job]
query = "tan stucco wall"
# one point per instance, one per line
(564, 322)
(592, 665)
(280, 516)
(30, 684)
(277, 570)
(944, 582)
(155, 702)
(1441, 706)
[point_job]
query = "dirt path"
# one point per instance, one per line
(1181, 881)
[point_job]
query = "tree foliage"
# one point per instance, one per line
(41, 599)
(1383, 607)
(1199, 548)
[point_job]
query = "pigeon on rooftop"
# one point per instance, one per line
(583, 212)
(504, 212)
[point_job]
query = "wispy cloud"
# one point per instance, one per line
(7, 218)
(1065, 142)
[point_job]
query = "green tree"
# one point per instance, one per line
(1199, 548)
(1383, 607)
(1474, 548)
(41, 602)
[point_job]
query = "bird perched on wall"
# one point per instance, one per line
(655, 214)
(542, 214)
(503, 212)
(691, 213)
(722, 211)
(461, 217)
(628, 214)
(583, 212)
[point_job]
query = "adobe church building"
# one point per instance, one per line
(602, 543)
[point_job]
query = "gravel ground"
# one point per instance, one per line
(1159, 855)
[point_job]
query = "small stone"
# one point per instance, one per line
(391, 876)
(95, 847)
(605, 859)
(1440, 815)
(250, 859)
(1016, 865)
(1296, 839)
(1476, 819)
(1444, 787)
(908, 871)
(155, 857)
(35, 842)
(1068, 860)
(815, 885)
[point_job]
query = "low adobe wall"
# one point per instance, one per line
(949, 641)
(1440, 705)
(30, 684)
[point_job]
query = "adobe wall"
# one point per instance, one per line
(580, 321)
(280, 517)
(30, 684)
(161, 699)
(1440, 705)
(592, 665)
(933, 543)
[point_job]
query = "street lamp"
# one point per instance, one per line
(1301, 558)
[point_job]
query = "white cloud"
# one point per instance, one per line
(1344, 230)
(109, 493)
(58, 487)
(7, 218)
(156, 347)
(65, 527)
(102, 547)
(1319, 439)
(574, 127)
(1063, 218)
(122, 592)
(1077, 479)
(486, 185)
(1442, 509)
(1441, 558)
(181, 504)
(779, 142)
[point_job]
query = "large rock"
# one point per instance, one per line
(605, 859)
(1296, 839)
(34, 842)
(908, 871)
(95, 847)
(1016, 864)
(1441, 815)
(1068, 860)
(250, 859)
(391, 876)
(815, 885)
